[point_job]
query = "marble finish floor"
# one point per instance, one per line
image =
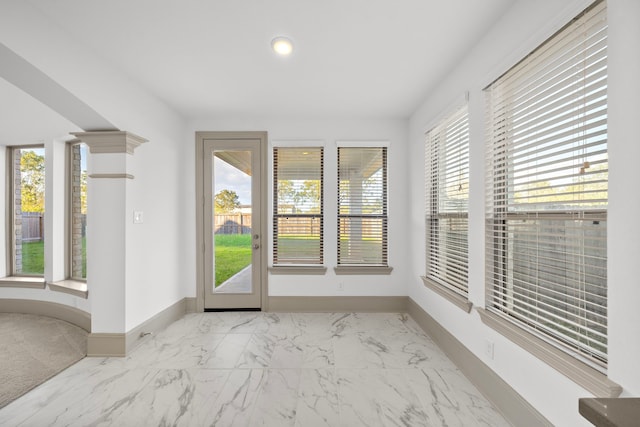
(265, 369)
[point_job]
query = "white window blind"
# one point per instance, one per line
(362, 206)
(547, 189)
(297, 207)
(447, 196)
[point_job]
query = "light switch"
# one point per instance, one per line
(138, 217)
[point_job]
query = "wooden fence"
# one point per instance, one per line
(32, 226)
(232, 223)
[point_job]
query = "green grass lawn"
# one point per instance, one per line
(232, 254)
(33, 258)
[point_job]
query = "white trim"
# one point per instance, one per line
(458, 102)
(70, 286)
(534, 41)
(579, 372)
(299, 269)
(458, 300)
(310, 143)
(111, 176)
(363, 143)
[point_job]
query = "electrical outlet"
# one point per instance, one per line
(138, 217)
(489, 349)
(340, 286)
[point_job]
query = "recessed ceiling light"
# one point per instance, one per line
(282, 46)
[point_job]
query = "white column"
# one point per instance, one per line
(55, 211)
(106, 226)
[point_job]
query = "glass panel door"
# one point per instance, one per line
(232, 222)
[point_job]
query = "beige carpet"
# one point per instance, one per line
(33, 349)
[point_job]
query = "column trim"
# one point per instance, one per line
(110, 141)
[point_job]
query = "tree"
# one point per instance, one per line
(83, 192)
(226, 201)
(32, 181)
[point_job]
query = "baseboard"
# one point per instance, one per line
(106, 345)
(513, 406)
(338, 304)
(156, 323)
(67, 313)
(191, 304)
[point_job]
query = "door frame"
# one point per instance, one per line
(201, 136)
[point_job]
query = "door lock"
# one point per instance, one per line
(256, 236)
(256, 246)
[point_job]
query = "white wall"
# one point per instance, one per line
(153, 273)
(520, 30)
(624, 202)
(328, 131)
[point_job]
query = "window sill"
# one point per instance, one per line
(298, 269)
(579, 372)
(33, 282)
(73, 287)
(457, 299)
(362, 269)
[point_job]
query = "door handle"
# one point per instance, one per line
(256, 246)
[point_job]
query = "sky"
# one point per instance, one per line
(229, 178)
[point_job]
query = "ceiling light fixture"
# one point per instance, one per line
(282, 46)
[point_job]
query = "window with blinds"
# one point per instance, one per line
(447, 196)
(362, 206)
(547, 189)
(297, 206)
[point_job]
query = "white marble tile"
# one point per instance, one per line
(186, 352)
(277, 402)
(303, 351)
(258, 352)
(451, 400)
(349, 323)
(318, 404)
(230, 322)
(234, 405)
(228, 352)
(273, 369)
(378, 397)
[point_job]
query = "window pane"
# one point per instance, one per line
(28, 209)
(297, 216)
(78, 211)
(548, 189)
(447, 198)
(362, 206)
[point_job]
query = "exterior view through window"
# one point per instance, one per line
(547, 190)
(362, 206)
(27, 204)
(297, 209)
(447, 202)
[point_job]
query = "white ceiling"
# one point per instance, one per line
(211, 58)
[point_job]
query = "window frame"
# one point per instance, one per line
(69, 208)
(297, 267)
(451, 133)
(365, 268)
(13, 277)
(580, 368)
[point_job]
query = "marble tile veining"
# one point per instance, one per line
(265, 369)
